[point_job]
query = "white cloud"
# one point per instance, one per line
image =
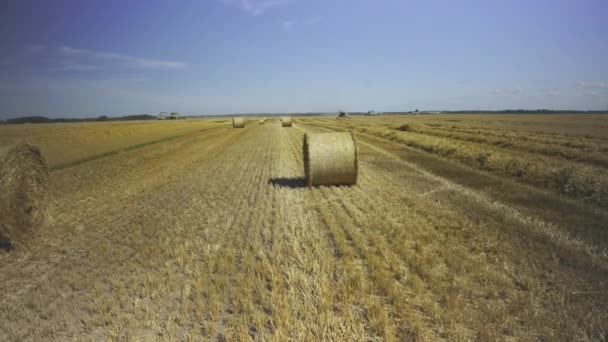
(258, 7)
(288, 25)
(507, 91)
(597, 93)
(109, 55)
(66, 50)
(80, 97)
(141, 62)
(313, 20)
(592, 85)
(134, 80)
(126, 59)
(155, 64)
(77, 67)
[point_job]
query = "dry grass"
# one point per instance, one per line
(213, 236)
(576, 168)
(64, 144)
(330, 159)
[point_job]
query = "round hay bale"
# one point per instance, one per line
(24, 192)
(261, 122)
(286, 121)
(238, 122)
(330, 158)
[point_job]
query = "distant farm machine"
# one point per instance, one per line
(165, 115)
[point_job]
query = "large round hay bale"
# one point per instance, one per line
(286, 121)
(261, 121)
(238, 122)
(330, 158)
(24, 192)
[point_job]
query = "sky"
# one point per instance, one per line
(77, 58)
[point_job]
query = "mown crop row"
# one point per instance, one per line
(592, 153)
(581, 181)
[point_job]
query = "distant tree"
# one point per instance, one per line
(102, 118)
(29, 119)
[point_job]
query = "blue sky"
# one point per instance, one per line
(88, 58)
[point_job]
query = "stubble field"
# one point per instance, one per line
(461, 227)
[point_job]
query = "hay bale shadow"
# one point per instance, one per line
(6, 246)
(287, 182)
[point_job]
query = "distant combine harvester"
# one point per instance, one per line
(342, 114)
(165, 116)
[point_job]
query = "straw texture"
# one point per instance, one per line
(24, 192)
(238, 122)
(286, 121)
(330, 159)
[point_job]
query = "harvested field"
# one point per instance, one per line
(66, 144)
(460, 227)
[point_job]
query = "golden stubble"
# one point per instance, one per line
(213, 236)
